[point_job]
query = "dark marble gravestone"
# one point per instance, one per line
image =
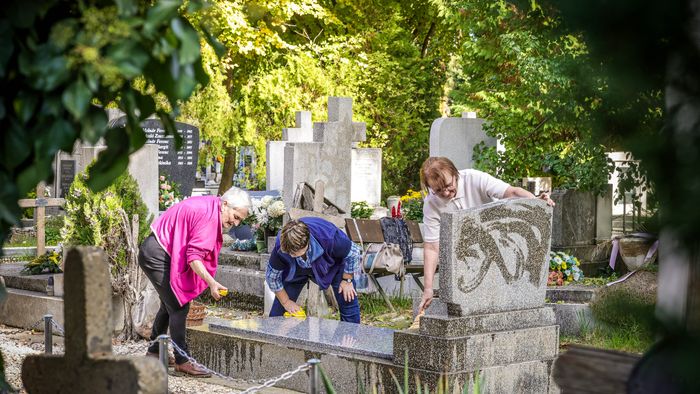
(181, 165)
(66, 173)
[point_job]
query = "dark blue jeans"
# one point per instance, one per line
(349, 311)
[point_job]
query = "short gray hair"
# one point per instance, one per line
(237, 198)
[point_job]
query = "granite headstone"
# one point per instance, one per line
(179, 165)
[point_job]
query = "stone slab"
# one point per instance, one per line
(37, 283)
(366, 175)
(573, 319)
(474, 352)
(242, 280)
(247, 358)
(574, 218)
(331, 336)
(455, 138)
(494, 258)
(118, 375)
(274, 176)
(236, 258)
(22, 308)
(26, 250)
(452, 327)
(577, 294)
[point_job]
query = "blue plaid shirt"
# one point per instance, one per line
(273, 277)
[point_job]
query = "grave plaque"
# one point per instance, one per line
(180, 166)
(66, 175)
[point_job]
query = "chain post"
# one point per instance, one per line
(163, 354)
(313, 375)
(48, 334)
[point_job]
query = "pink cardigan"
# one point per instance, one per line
(190, 230)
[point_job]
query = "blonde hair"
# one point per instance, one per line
(432, 171)
(294, 236)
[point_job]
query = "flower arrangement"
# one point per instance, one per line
(168, 193)
(49, 262)
(412, 205)
(360, 210)
(266, 216)
(563, 268)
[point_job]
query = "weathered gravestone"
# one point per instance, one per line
(493, 277)
(181, 165)
(328, 158)
(366, 175)
(455, 138)
(88, 365)
(142, 166)
(303, 132)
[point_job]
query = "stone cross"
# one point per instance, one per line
(328, 158)
(88, 365)
(39, 204)
(493, 278)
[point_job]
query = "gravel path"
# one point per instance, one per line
(16, 344)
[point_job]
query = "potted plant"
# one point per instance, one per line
(266, 219)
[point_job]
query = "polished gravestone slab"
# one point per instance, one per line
(318, 333)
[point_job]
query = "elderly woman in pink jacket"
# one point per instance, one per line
(180, 259)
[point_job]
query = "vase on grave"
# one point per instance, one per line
(638, 250)
(260, 243)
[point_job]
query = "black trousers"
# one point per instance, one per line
(155, 263)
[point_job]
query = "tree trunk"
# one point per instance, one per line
(229, 170)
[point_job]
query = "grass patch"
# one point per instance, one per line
(633, 338)
(52, 231)
(375, 312)
(624, 316)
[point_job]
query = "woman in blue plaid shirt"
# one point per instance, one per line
(315, 249)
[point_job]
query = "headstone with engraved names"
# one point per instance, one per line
(179, 165)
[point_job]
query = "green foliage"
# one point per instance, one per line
(519, 70)
(58, 59)
(360, 210)
(28, 213)
(53, 229)
(49, 262)
(98, 218)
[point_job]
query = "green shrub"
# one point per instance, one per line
(53, 229)
(97, 218)
(28, 213)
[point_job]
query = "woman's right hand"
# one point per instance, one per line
(291, 306)
(214, 290)
(426, 299)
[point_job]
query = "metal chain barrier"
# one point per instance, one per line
(274, 381)
(266, 384)
(58, 327)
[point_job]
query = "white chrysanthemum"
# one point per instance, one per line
(265, 202)
(276, 209)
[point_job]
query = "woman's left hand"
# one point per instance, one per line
(347, 290)
(545, 197)
(214, 290)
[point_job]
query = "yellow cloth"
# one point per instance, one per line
(300, 313)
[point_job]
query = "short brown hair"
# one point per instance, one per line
(294, 236)
(432, 170)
